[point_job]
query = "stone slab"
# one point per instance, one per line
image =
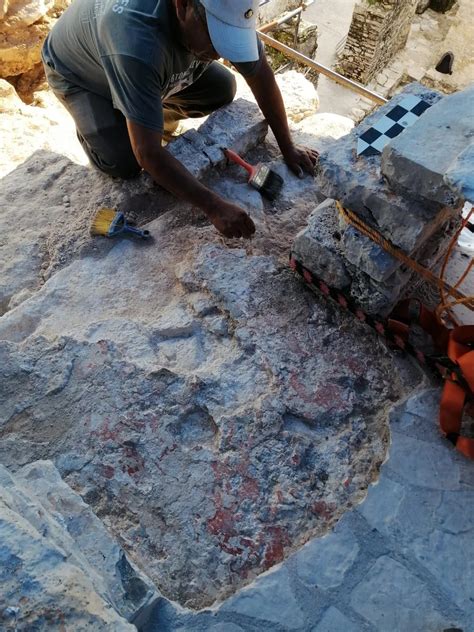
(127, 588)
(324, 562)
(417, 161)
(387, 583)
(436, 468)
(365, 254)
(334, 621)
(318, 246)
(239, 126)
(270, 599)
(460, 175)
(358, 183)
(51, 578)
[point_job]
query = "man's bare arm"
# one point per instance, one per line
(168, 172)
(268, 96)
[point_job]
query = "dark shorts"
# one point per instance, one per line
(102, 130)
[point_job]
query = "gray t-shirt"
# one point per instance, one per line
(126, 51)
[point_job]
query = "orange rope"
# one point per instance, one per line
(445, 304)
(396, 252)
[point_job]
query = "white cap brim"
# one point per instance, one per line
(232, 42)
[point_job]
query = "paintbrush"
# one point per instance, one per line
(111, 223)
(266, 181)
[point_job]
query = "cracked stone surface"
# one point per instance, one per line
(209, 436)
(69, 567)
(200, 400)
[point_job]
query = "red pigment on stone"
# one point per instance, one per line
(275, 547)
(325, 510)
(249, 488)
(296, 459)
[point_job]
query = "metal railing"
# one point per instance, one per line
(311, 63)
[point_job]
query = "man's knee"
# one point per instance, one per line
(120, 168)
(113, 156)
(229, 89)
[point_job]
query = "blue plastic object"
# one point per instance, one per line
(119, 226)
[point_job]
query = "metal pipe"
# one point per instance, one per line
(285, 18)
(331, 74)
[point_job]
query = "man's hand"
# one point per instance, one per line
(268, 96)
(230, 220)
(301, 160)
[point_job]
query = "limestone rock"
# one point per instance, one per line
(300, 96)
(416, 161)
(62, 567)
(318, 246)
(24, 13)
(239, 126)
(23, 28)
(459, 177)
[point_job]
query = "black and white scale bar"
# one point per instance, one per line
(401, 116)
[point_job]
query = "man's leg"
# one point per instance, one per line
(215, 88)
(102, 132)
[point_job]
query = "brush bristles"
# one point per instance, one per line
(268, 182)
(102, 221)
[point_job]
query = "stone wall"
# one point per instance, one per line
(411, 194)
(378, 30)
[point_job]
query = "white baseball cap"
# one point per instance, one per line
(232, 28)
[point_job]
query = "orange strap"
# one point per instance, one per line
(454, 396)
(458, 345)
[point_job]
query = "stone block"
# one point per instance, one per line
(460, 175)
(62, 565)
(325, 562)
(269, 599)
(318, 248)
(417, 161)
(372, 296)
(388, 582)
(358, 183)
(368, 256)
(239, 125)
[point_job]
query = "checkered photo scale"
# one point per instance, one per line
(401, 116)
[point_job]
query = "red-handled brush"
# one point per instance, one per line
(266, 181)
